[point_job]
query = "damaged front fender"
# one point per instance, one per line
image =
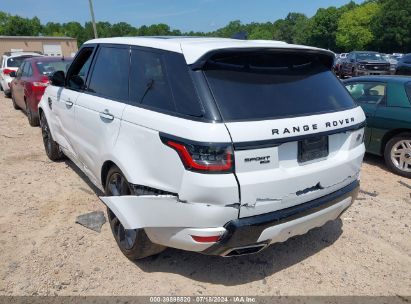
(136, 212)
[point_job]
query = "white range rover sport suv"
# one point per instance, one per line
(211, 145)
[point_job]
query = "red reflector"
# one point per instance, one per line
(206, 239)
(7, 71)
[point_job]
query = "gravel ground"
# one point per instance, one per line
(44, 252)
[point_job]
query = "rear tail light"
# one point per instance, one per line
(40, 84)
(7, 71)
(44, 82)
(203, 157)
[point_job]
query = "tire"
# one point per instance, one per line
(13, 101)
(134, 244)
(52, 148)
(33, 119)
(397, 154)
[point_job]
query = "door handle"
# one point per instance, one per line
(69, 103)
(106, 115)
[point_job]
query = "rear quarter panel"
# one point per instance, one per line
(145, 160)
(390, 119)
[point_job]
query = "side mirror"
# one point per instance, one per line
(76, 82)
(57, 79)
(13, 74)
(352, 60)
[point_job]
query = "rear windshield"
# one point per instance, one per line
(264, 86)
(48, 67)
(15, 62)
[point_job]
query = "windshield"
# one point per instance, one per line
(369, 56)
(15, 62)
(264, 86)
(48, 67)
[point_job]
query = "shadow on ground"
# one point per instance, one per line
(376, 160)
(236, 270)
(84, 177)
(244, 269)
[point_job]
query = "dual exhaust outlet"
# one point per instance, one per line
(245, 250)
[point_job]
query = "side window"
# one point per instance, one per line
(77, 73)
(162, 81)
(367, 92)
(26, 69)
(184, 92)
(148, 81)
(20, 70)
(110, 73)
(29, 70)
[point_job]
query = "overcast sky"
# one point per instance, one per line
(186, 15)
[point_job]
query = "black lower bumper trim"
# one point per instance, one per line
(246, 231)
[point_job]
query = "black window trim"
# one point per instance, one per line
(91, 45)
(139, 103)
(211, 115)
(204, 104)
(91, 70)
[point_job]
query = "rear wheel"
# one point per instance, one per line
(52, 148)
(33, 119)
(397, 154)
(134, 243)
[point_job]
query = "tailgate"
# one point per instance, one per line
(276, 170)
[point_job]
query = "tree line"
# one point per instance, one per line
(381, 25)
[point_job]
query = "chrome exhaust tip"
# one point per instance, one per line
(239, 251)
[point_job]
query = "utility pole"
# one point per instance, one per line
(93, 20)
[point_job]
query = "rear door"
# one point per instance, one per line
(100, 107)
(296, 132)
(370, 96)
(19, 84)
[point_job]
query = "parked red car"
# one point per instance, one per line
(30, 81)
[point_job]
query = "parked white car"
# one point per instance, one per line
(11, 62)
(211, 145)
(343, 55)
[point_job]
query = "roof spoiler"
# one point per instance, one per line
(326, 57)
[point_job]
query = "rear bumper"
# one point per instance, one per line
(172, 223)
(261, 230)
